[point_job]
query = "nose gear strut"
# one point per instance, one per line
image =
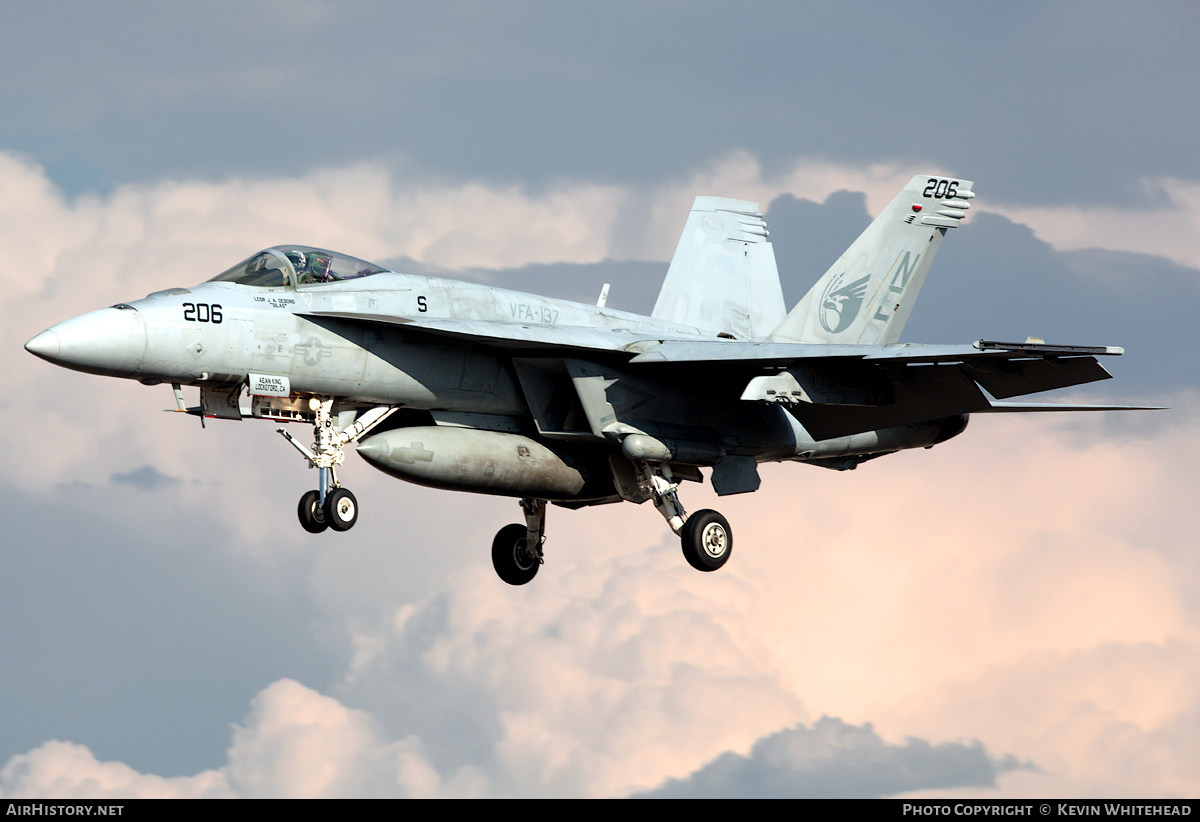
(331, 505)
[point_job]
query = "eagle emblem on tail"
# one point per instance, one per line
(840, 303)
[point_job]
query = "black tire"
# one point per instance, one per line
(707, 540)
(341, 509)
(511, 557)
(312, 518)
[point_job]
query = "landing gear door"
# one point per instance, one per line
(221, 401)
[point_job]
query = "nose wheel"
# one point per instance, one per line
(312, 516)
(339, 511)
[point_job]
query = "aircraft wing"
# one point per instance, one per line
(833, 389)
(686, 349)
(509, 334)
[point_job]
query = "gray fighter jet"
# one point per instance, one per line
(470, 388)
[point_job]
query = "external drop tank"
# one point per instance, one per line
(489, 462)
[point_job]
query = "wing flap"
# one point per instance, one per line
(687, 350)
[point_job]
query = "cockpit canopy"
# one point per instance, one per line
(298, 265)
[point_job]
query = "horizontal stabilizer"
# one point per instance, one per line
(1037, 407)
(1014, 377)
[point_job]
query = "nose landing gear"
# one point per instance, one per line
(340, 509)
(311, 513)
(331, 505)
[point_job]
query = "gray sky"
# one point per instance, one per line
(1060, 103)
(985, 617)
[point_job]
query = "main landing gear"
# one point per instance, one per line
(705, 536)
(331, 505)
(517, 549)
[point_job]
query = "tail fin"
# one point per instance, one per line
(868, 294)
(723, 277)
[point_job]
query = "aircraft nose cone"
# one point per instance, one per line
(374, 449)
(44, 345)
(110, 341)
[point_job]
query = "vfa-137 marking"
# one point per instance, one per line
(470, 388)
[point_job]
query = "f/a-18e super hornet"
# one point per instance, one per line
(465, 387)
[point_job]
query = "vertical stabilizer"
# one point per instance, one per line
(723, 277)
(868, 294)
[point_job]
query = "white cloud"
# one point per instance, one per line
(1109, 720)
(173, 233)
(298, 743)
(835, 760)
(63, 770)
(295, 743)
(1170, 230)
(618, 667)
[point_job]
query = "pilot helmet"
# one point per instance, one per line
(297, 259)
